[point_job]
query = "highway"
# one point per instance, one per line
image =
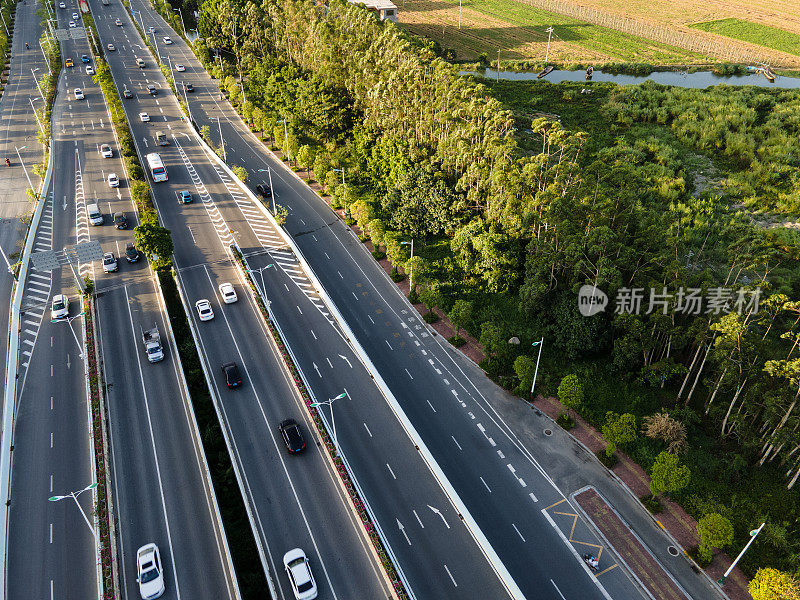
(161, 492)
(503, 485)
(295, 501)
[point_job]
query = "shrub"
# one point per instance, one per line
(570, 392)
(618, 429)
(661, 426)
(565, 421)
(608, 461)
(457, 341)
(651, 503)
(715, 531)
(772, 584)
(668, 475)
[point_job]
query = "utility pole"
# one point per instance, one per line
(549, 31)
(498, 65)
(536, 372)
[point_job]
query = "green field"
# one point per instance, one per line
(762, 35)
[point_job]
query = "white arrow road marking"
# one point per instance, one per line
(403, 530)
(316, 368)
(438, 512)
(65, 203)
(344, 358)
(68, 364)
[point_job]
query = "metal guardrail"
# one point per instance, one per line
(12, 364)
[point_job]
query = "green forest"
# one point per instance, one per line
(683, 203)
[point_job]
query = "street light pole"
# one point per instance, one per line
(180, 14)
(74, 496)
(36, 81)
(23, 167)
(540, 343)
(330, 402)
(69, 321)
(155, 41)
(49, 68)
(271, 189)
(263, 289)
(753, 534)
(174, 83)
(221, 140)
(411, 270)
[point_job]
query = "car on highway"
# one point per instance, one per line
(79, 94)
(62, 5)
(184, 197)
(120, 220)
(264, 190)
(151, 30)
(151, 89)
(113, 180)
(297, 568)
(140, 63)
(228, 293)
(232, 376)
(149, 572)
(106, 151)
(204, 310)
(76, 16)
(180, 68)
(292, 437)
(144, 117)
(69, 63)
(72, 24)
(59, 309)
(118, 22)
(167, 40)
(84, 59)
(110, 264)
(189, 87)
(126, 93)
(131, 253)
(111, 47)
(89, 70)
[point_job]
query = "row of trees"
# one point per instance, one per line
(512, 214)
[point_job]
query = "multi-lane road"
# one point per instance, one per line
(459, 498)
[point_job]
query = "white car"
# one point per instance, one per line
(60, 307)
(144, 117)
(204, 310)
(111, 47)
(79, 94)
(110, 263)
(149, 572)
(62, 5)
(296, 564)
(180, 68)
(113, 180)
(106, 151)
(72, 24)
(118, 22)
(75, 16)
(89, 70)
(167, 40)
(228, 293)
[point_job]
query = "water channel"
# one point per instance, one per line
(700, 79)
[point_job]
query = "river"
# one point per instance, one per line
(700, 79)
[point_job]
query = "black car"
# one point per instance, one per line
(264, 190)
(290, 432)
(189, 87)
(120, 221)
(151, 89)
(232, 376)
(126, 93)
(131, 253)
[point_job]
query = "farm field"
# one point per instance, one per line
(755, 33)
(519, 31)
(783, 14)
